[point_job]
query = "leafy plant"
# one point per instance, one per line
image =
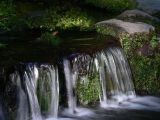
(145, 68)
(88, 89)
(154, 42)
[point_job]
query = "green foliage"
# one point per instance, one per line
(113, 4)
(154, 42)
(55, 18)
(147, 73)
(106, 30)
(75, 18)
(146, 69)
(131, 43)
(88, 89)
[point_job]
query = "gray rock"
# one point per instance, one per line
(149, 6)
(120, 26)
(137, 15)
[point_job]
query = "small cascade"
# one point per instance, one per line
(70, 84)
(38, 92)
(115, 78)
(30, 79)
(48, 90)
(23, 110)
(115, 75)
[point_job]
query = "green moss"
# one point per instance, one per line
(88, 90)
(75, 18)
(106, 30)
(145, 68)
(55, 18)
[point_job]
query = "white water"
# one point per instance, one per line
(23, 114)
(114, 73)
(31, 86)
(38, 89)
(29, 105)
(70, 84)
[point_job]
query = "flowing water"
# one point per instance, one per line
(41, 87)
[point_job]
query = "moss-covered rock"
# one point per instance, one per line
(143, 54)
(117, 27)
(141, 46)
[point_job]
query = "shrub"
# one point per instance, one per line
(88, 90)
(56, 18)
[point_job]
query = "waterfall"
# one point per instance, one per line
(114, 73)
(38, 84)
(23, 110)
(70, 84)
(30, 79)
(48, 89)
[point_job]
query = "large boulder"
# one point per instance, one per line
(116, 27)
(149, 6)
(134, 34)
(138, 15)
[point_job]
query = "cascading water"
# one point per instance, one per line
(23, 110)
(30, 79)
(113, 70)
(48, 90)
(38, 85)
(70, 84)
(37, 88)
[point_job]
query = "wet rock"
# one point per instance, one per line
(117, 27)
(149, 6)
(137, 16)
